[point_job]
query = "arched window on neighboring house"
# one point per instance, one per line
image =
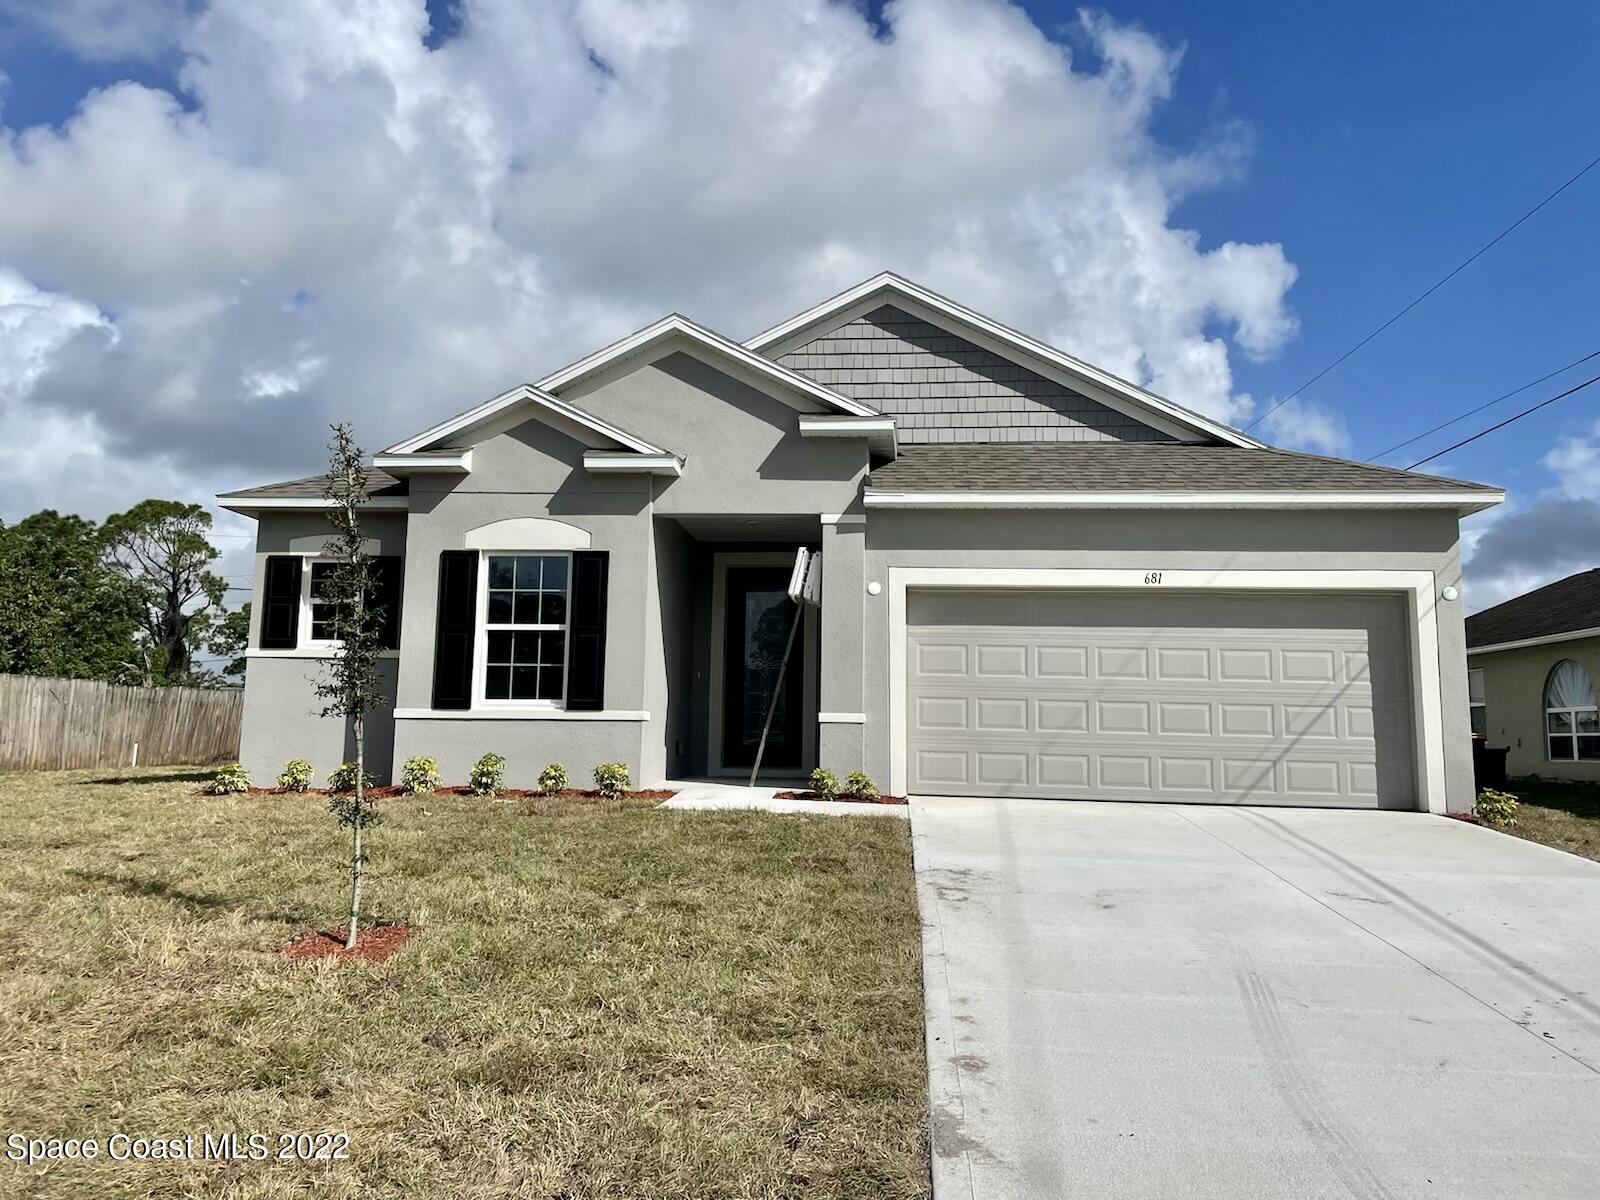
(1571, 721)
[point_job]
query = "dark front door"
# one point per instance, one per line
(759, 612)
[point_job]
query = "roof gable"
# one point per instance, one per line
(521, 403)
(676, 331)
(1567, 606)
(941, 387)
(1074, 375)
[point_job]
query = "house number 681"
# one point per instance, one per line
(1152, 577)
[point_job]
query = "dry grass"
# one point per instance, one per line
(603, 1000)
(1563, 815)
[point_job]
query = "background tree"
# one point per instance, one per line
(62, 611)
(230, 637)
(349, 686)
(161, 548)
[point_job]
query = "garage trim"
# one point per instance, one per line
(1417, 586)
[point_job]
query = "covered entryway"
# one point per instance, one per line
(1220, 697)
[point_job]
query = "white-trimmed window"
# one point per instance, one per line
(522, 627)
(1572, 720)
(316, 614)
(1477, 706)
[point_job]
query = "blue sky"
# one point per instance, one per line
(1390, 142)
(1385, 143)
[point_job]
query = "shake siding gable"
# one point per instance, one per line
(943, 388)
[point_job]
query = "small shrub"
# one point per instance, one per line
(552, 779)
(229, 778)
(824, 784)
(859, 784)
(343, 778)
(612, 779)
(1496, 808)
(488, 775)
(419, 776)
(296, 775)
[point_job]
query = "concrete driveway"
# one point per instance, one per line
(1136, 1000)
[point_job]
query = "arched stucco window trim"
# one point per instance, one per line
(527, 533)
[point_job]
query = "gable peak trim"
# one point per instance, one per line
(523, 395)
(676, 324)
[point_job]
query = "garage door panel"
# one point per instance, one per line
(1300, 698)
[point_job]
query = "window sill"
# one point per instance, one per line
(322, 652)
(517, 714)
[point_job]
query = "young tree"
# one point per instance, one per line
(349, 686)
(160, 547)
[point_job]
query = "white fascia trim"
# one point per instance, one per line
(627, 461)
(523, 393)
(878, 431)
(829, 426)
(842, 718)
(457, 462)
(517, 714)
(1547, 640)
(1464, 501)
(1417, 586)
(249, 504)
(888, 281)
(678, 325)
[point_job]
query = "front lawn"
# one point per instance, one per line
(1563, 815)
(602, 999)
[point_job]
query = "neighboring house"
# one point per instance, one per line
(1037, 579)
(1533, 664)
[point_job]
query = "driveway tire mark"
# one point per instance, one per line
(1300, 1093)
(1400, 950)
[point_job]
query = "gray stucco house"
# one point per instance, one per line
(1532, 667)
(1037, 578)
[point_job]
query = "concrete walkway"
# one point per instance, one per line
(703, 794)
(1173, 1001)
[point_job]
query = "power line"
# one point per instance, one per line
(1503, 424)
(1489, 245)
(1489, 404)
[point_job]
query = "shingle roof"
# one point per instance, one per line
(1561, 607)
(379, 483)
(1100, 467)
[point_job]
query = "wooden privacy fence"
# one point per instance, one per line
(53, 724)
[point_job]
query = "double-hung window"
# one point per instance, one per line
(523, 610)
(1572, 721)
(318, 611)
(1477, 704)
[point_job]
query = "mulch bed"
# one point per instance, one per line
(1469, 818)
(838, 799)
(390, 792)
(374, 944)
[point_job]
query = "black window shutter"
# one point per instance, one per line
(385, 596)
(457, 629)
(586, 626)
(280, 603)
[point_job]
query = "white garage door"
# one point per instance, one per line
(1255, 698)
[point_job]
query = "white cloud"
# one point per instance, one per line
(1518, 547)
(1575, 462)
(1301, 424)
(102, 29)
(343, 224)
